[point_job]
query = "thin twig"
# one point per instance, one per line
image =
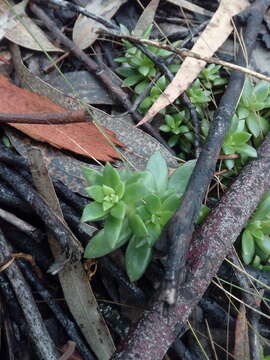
(83, 11)
(39, 334)
(187, 53)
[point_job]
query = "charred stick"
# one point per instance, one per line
(182, 224)
(92, 66)
(67, 241)
(70, 327)
(156, 331)
(12, 304)
(121, 278)
(18, 161)
(39, 335)
(19, 224)
(81, 10)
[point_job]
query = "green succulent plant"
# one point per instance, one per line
(236, 142)
(178, 125)
(210, 77)
(255, 239)
(133, 208)
(253, 102)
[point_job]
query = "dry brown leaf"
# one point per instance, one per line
(241, 344)
(24, 31)
(84, 139)
(146, 18)
(84, 30)
(214, 35)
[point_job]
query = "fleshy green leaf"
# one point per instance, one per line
(179, 179)
(125, 71)
(241, 138)
(165, 128)
(261, 91)
(204, 211)
(152, 203)
(242, 112)
(144, 70)
(253, 124)
(158, 168)
(141, 86)
(92, 176)
(171, 203)
(93, 211)
(264, 244)
(95, 192)
(119, 210)
(112, 230)
(134, 192)
(137, 225)
(100, 245)
(111, 176)
(247, 150)
(132, 80)
(248, 247)
(137, 259)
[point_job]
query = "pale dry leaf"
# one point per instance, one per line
(191, 7)
(84, 30)
(7, 21)
(214, 35)
(146, 18)
(25, 32)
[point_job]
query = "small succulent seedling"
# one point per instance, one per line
(210, 77)
(177, 125)
(255, 238)
(236, 142)
(133, 208)
(254, 100)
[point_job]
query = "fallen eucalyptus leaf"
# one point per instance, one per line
(24, 31)
(84, 30)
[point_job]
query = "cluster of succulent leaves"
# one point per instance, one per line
(255, 238)
(248, 128)
(249, 125)
(133, 207)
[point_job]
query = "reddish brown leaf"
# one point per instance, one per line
(82, 138)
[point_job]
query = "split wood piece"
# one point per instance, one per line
(181, 226)
(47, 118)
(253, 316)
(70, 246)
(76, 287)
(38, 333)
(100, 73)
(157, 330)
